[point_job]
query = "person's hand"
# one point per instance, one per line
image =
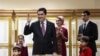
(58, 33)
(79, 36)
(20, 44)
(28, 18)
(55, 54)
(61, 33)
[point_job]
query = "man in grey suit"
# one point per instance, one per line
(44, 34)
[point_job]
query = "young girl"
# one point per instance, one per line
(16, 51)
(84, 49)
(21, 43)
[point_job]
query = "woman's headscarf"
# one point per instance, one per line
(61, 18)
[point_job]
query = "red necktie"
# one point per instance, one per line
(43, 28)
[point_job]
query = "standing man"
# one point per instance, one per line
(90, 29)
(44, 34)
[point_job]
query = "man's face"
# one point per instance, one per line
(41, 16)
(85, 17)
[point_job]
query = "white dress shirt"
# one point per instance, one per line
(86, 24)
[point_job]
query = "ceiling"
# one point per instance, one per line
(49, 4)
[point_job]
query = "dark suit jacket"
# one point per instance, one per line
(92, 32)
(42, 44)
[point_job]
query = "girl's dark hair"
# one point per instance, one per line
(85, 38)
(16, 48)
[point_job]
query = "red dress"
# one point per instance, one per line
(61, 41)
(86, 52)
(24, 49)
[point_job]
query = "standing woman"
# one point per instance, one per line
(62, 36)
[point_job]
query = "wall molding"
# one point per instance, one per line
(94, 12)
(56, 12)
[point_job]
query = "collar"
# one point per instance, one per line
(45, 21)
(86, 22)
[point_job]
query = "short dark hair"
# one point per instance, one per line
(42, 9)
(85, 39)
(86, 12)
(17, 48)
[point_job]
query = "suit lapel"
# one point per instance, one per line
(47, 28)
(40, 31)
(39, 28)
(87, 26)
(81, 28)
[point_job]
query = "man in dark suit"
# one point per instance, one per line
(90, 29)
(44, 34)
